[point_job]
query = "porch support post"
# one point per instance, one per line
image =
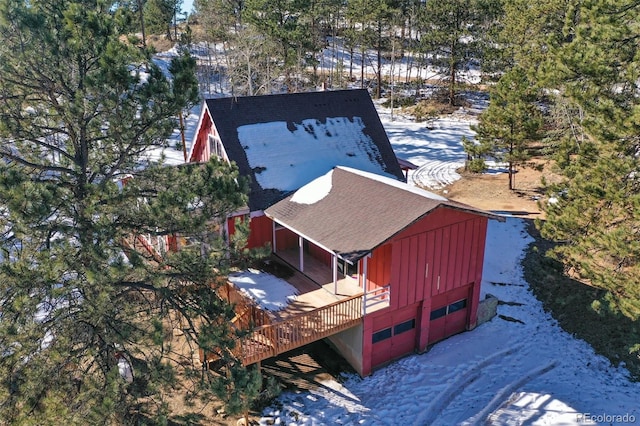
(365, 270)
(273, 236)
(301, 253)
(335, 274)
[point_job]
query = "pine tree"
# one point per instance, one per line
(361, 31)
(281, 23)
(524, 35)
(159, 15)
(451, 34)
(82, 300)
(509, 125)
(595, 211)
(220, 18)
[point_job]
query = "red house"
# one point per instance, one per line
(398, 268)
(417, 256)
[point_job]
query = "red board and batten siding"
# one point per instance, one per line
(434, 261)
(200, 151)
(260, 229)
(285, 239)
(453, 243)
(379, 268)
(437, 261)
(320, 254)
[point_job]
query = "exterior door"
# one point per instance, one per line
(449, 313)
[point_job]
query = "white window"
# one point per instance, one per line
(215, 147)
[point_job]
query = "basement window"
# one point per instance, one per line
(381, 335)
(449, 309)
(438, 313)
(457, 306)
(404, 326)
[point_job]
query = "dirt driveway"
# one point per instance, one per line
(491, 192)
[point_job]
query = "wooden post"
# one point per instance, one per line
(365, 266)
(365, 270)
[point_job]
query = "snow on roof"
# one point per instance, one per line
(268, 291)
(396, 184)
(314, 191)
(312, 148)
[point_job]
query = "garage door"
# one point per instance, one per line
(449, 313)
(394, 337)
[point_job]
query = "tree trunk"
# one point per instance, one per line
(379, 71)
(362, 67)
(144, 37)
(511, 177)
(452, 75)
(184, 143)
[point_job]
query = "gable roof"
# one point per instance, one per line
(350, 212)
(284, 141)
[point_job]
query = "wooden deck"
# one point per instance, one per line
(317, 312)
(315, 285)
(322, 308)
(270, 340)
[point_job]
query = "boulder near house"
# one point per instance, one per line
(381, 268)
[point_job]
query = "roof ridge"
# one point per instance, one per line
(395, 183)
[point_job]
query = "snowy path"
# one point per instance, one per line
(462, 381)
(493, 386)
(436, 149)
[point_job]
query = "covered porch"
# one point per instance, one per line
(325, 270)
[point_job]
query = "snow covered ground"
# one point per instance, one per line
(504, 372)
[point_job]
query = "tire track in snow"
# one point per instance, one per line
(436, 174)
(503, 395)
(469, 376)
(474, 403)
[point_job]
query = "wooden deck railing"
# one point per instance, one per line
(375, 297)
(139, 243)
(249, 315)
(273, 339)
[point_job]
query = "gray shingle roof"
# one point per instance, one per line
(359, 212)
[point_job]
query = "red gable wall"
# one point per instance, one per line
(434, 262)
(441, 252)
(200, 151)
